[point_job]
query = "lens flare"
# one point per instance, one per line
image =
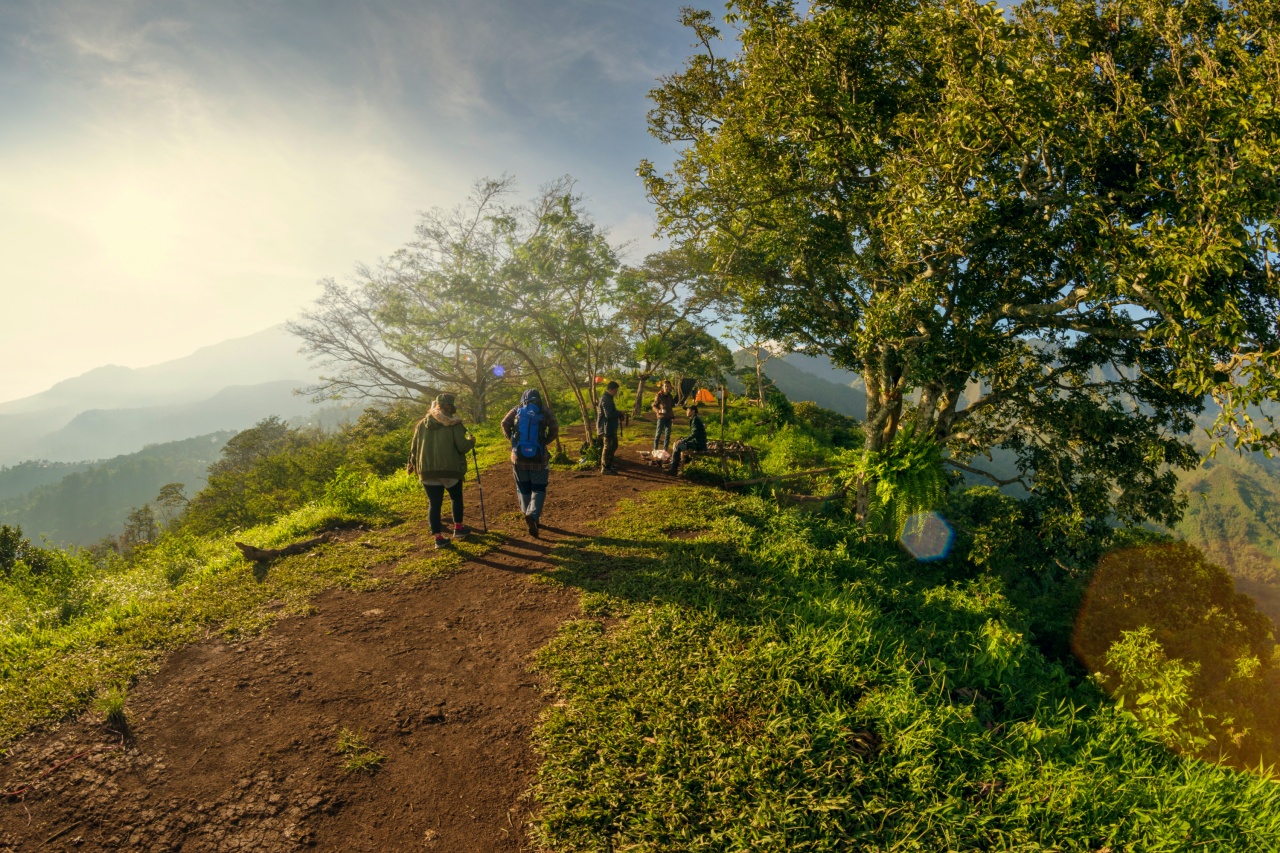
(499, 370)
(927, 536)
(1166, 633)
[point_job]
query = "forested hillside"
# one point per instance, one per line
(92, 500)
(1234, 517)
(18, 479)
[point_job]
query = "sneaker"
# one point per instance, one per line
(461, 532)
(531, 523)
(442, 543)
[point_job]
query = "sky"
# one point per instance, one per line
(177, 173)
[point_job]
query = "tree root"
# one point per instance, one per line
(266, 555)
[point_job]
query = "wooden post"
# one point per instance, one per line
(724, 462)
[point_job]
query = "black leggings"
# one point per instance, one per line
(435, 500)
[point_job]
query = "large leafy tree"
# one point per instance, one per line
(415, 323)
(663, 304)
(556, 291)
(1052, 227)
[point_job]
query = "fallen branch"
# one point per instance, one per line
(266, 555)
(812, 499)
(780, 477)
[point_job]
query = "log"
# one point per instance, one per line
(781, 477)
(812, 499)
(266, 555)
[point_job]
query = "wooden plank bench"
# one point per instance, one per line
(735, 450)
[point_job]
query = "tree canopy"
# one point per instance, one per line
(492, 291)
(1050, 228)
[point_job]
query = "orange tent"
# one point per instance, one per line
(705, 396)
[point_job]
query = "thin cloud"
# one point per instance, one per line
(180, 172)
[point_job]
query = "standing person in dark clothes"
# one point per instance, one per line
(532, 428)
(664, 407)
(607, 427)
(695, 440)
(438, 456)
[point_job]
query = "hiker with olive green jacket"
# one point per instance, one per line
(438, 456)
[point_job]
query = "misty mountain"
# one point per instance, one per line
(803, 377)
(113, 410)
(102, 433)
(88, 504)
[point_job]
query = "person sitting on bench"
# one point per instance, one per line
(695, 440)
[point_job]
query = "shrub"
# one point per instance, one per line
(111, 704)
(358, 756)
(840, 430)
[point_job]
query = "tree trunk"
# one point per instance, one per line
(724, 402)
(635, 410)
(759, 379)
(587, 424)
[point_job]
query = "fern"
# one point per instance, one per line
(908, 478)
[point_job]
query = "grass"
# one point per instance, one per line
(64, 640)
(111, 705)
(774, 683)
(358, 756)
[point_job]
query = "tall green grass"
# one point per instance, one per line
(83, 624)
(777, 684)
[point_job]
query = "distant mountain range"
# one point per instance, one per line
(813, 378)
(114, 410)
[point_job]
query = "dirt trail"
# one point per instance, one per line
(233, 744)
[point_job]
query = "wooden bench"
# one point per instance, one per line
(735, 450)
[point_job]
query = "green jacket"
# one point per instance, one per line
(440, 447)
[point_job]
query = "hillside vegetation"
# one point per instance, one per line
(748, 673)
(776, 682)
(80, 503)
(1234, 517)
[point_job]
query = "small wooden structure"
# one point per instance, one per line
(716, 449)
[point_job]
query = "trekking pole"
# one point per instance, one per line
(475, 459)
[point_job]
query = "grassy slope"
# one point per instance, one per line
(778, 685)
(65, 641)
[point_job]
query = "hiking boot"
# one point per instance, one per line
(442, 543)
(608, 470)
(460, 532)
(531, 523)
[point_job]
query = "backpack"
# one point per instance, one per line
(528, 433)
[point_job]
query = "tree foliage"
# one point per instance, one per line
(415, 324)
(664, 306)
(489, 292)
(1053, 229)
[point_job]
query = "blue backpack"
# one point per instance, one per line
(526, 440)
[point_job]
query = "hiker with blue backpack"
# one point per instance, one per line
(531, 428)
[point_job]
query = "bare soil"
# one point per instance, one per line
(232, 745)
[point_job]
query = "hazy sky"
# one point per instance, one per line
(176, 173)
